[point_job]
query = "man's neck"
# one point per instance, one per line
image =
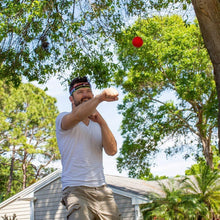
(86, 121)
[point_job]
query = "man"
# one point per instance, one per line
(81, 135)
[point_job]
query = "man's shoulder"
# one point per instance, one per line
(59, 120)
(62, 114)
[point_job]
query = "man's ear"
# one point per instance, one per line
(71, 99)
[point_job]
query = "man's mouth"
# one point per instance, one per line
(84, 100)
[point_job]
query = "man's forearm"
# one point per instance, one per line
(80, 113)
(108, 140)
(86, 109)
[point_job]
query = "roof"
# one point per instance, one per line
(133, 188)
(138, 190)
(34, 187)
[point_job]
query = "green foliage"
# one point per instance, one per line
(207, 188)
(27, 135)
(175, 204)
(41, 38)
(195, 168)
(170, 92)
(17, 177)
(186, 198)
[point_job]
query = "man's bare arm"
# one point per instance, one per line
(82, 111)
(108, 140)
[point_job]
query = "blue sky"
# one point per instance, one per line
(169, 167)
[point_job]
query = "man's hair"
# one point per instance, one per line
(77, 80)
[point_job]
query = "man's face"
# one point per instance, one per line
(82, 95)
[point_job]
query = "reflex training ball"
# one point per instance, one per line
(137, 42)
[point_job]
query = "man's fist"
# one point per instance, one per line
(109, 95)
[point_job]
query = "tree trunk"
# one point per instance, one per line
(10, 179)
(207, 152)
(208, 15)
(43, 166)
(24, 170)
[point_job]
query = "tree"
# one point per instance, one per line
(173, 60)
(42, 38)
(193, 197)
(196, 168)
(50, 37)
(16, 183)
(175, 203)
(27, 133)
(208, 15)
(206, 186)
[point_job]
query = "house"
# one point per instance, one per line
(41, 201)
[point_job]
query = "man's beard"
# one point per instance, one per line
(81, 101)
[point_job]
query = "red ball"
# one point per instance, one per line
(137, 42)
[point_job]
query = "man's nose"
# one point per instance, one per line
(85, 93)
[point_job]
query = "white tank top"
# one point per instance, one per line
(81, 154)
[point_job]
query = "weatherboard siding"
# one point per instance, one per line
(18, 207)
(47, 205)
(125, 207)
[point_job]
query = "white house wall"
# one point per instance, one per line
(125, 207)
(18, 207)
(47, 205)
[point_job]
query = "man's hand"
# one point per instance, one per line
(96, 117)
(108, 95)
